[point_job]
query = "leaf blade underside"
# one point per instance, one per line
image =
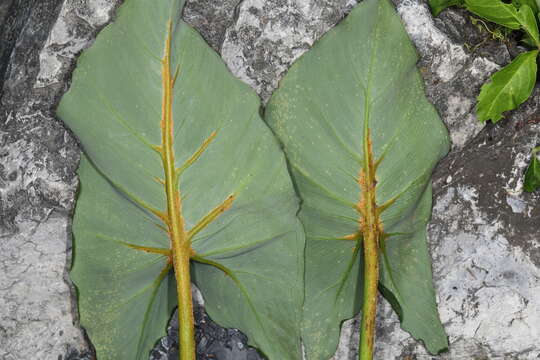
(114, 108)
(365, 65)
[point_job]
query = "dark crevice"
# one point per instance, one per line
(213, 341)
(25, 29)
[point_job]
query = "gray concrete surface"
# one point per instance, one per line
(37, 177)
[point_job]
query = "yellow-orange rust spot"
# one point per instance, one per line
(211, 216)
(370, 227)
(152, 250)
(159, 180)
(366, 206)
(354, 236)
(181, 252)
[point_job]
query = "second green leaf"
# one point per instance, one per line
(356, 126)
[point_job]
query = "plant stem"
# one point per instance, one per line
(371, 228)
(180, 244)
(369, 308)
(185, 309)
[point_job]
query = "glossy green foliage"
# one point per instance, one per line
(439, 5)
(500, 12)
(508, 88)
(532, 175)
(363, 70)
(513, 84)
(533, 4)
(256, 246)
(510, 15)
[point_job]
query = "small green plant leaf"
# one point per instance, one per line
(150, 88)
(508, 88)
(496, 11)
(532, 175)
(439, 5)
(533, 4)
(361, 75)
(507, 15)
(527, 20)
(528, 41)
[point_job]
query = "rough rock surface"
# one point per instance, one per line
(211, 18)
(484, 242)
(37, 189)
(269, 35)
(484, 235)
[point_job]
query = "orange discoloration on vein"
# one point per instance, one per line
(367, 208)
(152, 250)
(371, 228)
(175, 220)
(193, 158)
(159, 180)
(211, 216)
(354, 237)
(161, 215)
(180, 252)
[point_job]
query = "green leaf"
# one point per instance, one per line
(532, 175)
(439, 5)
(508, 88)
(507, 15)
(363, 69)
(496, 11)
(533, 4)
(528, 23)
(249, 260)
(528, 41)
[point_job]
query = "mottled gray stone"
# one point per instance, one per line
(35, 302)
(484, 234)
(211, 18)
(269, 35)
(37, 181)
(453, 75)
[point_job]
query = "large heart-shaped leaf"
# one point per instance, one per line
(361, 75)
(237, 199)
